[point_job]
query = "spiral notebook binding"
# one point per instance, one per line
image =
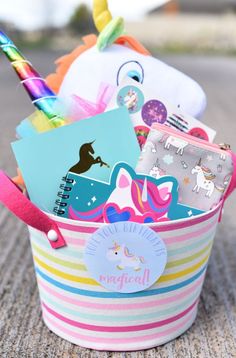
(70, 181)
(60, 194)
(59, 209)
(64, 187)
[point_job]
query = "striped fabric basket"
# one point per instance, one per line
(78, 309)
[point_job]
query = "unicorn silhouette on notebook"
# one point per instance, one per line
(86, 159)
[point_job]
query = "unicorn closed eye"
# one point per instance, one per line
(122, 254)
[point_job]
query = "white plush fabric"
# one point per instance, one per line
(93, 67)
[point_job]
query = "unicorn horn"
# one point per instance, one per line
(101, 14)
(145, 191)
(200, 162)
(41, 95)
(110, 29)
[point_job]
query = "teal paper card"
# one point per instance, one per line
(89, 147)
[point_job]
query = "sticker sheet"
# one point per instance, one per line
(147, 108)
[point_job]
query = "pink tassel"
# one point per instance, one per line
(82, 108)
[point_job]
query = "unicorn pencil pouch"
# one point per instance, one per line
(203, 170)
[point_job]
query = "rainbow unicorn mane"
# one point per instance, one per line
(207, 173)
(127, 252)
(95, 215)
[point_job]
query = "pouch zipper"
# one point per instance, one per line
(219, 148)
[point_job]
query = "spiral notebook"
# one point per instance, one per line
(89, 147)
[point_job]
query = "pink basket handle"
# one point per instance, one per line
(12, 197)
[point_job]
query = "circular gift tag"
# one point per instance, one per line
(125, 257)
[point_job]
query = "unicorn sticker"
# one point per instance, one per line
(204, 179)
(126, 259)
(131, 100)
(178, 143)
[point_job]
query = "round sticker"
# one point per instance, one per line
(131, 97)
(125, 257)
(199, 133)
(142, 134)
(154, 111)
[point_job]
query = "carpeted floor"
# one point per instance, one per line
(22, 332)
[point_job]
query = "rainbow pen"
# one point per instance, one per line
(41, 95)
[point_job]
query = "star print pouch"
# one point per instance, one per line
(203, 170)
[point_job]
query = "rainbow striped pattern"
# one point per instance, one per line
(81, 311)
(41, 95)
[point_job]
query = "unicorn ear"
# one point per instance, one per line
(165, 189)
(124, 179)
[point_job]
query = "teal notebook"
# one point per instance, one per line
(89, 147)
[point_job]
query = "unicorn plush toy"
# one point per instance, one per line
(105, 59)
(82, 71)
